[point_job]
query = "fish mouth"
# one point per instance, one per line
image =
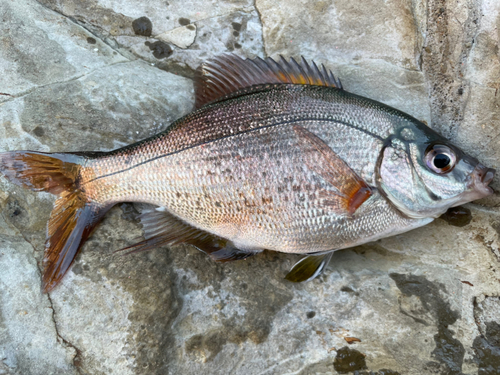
(481, 178)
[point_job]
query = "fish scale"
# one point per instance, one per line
(275, 156)
(220, 167)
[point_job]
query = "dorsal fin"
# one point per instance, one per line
(227, 74)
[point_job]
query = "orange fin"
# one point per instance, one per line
(71, 222)
(162, 228)
(40, 171)
(73, 217)
(228, 74)
(352, 191)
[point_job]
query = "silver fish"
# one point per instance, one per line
(275, 156)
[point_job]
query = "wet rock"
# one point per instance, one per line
(432, 309)
(349, 360)
(487, 344)
(457, 216)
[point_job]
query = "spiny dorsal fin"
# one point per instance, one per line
(227, 74)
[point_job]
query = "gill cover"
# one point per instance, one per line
(423, 175)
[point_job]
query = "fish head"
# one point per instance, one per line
(423, 174)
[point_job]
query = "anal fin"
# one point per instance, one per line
(309, 267)
(162, 228)
(229, 253)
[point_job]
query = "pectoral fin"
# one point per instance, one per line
(309, 267)
(351, 191)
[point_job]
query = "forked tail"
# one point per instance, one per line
(73, 217)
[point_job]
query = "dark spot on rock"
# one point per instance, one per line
(487, 345)
(237, 45)
(262, 300)
(487, 350)
(160, 49)
(311, 314)
(235, 33)
(14, 208)
(142, 26)
(348, 289)
(449, 352)
(77, 269)
(460, 91)
(496, 226)
(130, 213)
(348, 360)
(236, 26)
(457, 216)
(211, 342)
(184, 21)
(91, 40)
(191, 27)
(39, 132)
(493, 333)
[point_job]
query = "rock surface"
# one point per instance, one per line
(100, 74)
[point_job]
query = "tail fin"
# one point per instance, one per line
(73, 217)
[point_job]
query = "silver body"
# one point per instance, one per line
(235, 169)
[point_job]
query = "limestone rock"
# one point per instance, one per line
(182, 36)
(41, 47)
(100, 74)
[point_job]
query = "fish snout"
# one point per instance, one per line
(482, 177)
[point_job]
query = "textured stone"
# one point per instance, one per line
(424, 302)
(182, 36)
(172, 22)
(40, 47)
(374, 48)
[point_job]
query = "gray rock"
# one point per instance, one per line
(41, 47)
(375, 48)
(97, 75)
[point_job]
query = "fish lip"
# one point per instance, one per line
(481, 178)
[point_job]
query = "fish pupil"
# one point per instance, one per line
(441, 161)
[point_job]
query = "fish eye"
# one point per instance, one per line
(440, 159)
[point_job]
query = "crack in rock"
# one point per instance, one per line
(80, 24)
(34, 89)
(77, 358)
(259, 15)
(78, 353)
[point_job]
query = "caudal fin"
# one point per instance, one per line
(73, 217)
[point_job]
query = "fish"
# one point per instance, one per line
(276, 155)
